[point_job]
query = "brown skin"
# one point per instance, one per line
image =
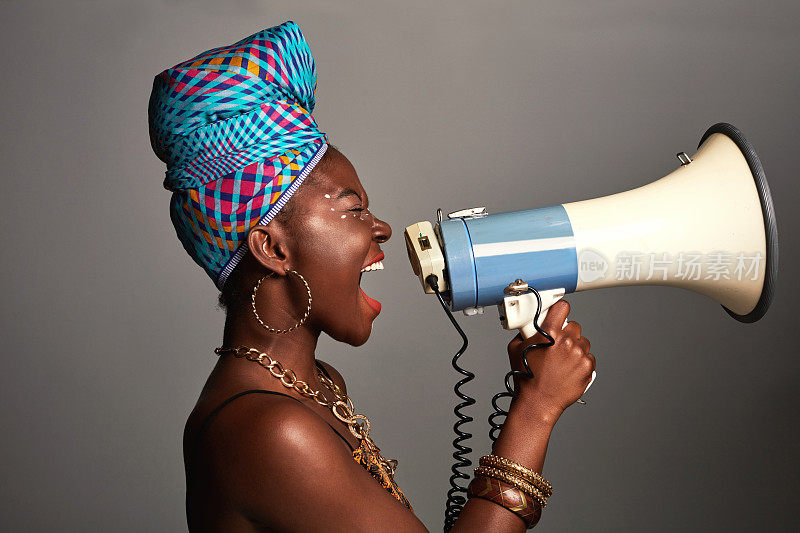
(268, 463)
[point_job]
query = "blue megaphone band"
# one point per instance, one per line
(484, 255)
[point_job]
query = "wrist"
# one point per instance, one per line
(526, 432)
(535, 409)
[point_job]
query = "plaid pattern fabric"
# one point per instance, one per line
(234, 127)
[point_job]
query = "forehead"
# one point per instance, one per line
(338, 176)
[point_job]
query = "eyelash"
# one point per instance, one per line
(359, 212)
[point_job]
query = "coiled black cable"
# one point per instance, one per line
(455, 499)
(527, 373)
(456, 495)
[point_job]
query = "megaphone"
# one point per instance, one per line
(708, 227)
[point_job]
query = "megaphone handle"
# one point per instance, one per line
(528, 330)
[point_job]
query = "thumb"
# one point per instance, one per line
(555, 317)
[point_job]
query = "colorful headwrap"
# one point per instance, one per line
(234, 127)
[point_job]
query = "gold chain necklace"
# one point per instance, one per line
(342, 408)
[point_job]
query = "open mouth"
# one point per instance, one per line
(375, 264)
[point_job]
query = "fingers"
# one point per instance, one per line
(593, 360)
(573, 329)
(584, 343)
(555, 317)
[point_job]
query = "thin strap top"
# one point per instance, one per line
(221, 406)
(366, 458)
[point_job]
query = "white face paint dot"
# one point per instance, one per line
(332, 209)
(344, 216)
(327, 196)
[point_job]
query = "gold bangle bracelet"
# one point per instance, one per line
(511, 479)
(532, 477)
(507, 496)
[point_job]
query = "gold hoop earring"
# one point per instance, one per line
(302, 320)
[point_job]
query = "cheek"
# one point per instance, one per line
(337, 246)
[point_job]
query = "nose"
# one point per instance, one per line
(381, 231)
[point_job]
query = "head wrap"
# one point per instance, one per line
(234, 127)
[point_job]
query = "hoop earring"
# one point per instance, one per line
(300, 322)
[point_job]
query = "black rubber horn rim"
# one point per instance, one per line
(768, 211)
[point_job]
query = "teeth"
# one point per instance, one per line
(374, 266)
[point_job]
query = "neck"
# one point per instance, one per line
(295, 350)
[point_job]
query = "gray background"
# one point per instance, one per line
(108, 327)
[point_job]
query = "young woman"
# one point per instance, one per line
(280, 221)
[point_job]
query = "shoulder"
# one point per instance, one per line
(269, 434)
(263, 444)
(263, 421)
(279, 463)
(335, 375)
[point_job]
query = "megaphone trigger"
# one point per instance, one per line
(519, 310)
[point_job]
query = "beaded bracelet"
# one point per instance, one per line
(508, 496)
(534, 478)
(515, 481)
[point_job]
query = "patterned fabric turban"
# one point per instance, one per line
(234, 127)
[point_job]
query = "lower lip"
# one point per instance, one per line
(372, 302)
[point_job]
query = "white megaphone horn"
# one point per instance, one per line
(709, 227)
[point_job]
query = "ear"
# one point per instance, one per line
(268, 244)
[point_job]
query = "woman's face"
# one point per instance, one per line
(337, 237)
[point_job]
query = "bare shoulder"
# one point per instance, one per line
(266, 428)
(335, 375)
(283, 467)
(262, 446)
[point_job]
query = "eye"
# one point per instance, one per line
(360, 212)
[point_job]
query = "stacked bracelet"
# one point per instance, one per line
(511, 479)
(511, 485)
(508, 496)
(534, 478)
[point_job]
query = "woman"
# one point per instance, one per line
(281, 223)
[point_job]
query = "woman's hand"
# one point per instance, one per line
(560, 375)
(560, 372)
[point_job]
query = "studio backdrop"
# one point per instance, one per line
(109, 327)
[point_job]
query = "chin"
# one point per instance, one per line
(359, 341)
(353, 328)
(349, 334)
(366, 332)
(352, 337)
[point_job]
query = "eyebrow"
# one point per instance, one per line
(348, 192)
